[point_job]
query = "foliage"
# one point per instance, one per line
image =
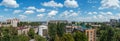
(52, 29)
(79, 36)
(23, 38)
(67, 37)
(28, 23)
(57, 38)
(31, 33)
(39, 38)
(106, 33)
(60, 29)
(56, 28)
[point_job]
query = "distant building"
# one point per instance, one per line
(119, 20)
(69, 29)
(113, 22)
(58, 21)
(91, 34)
(43, 30)
(13, 22)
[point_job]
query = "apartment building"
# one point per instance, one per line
(43, 30)
(91, 34)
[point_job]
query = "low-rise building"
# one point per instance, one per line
(23, 30)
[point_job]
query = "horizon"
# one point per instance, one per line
(70, 10)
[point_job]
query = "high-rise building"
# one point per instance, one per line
(91, 34)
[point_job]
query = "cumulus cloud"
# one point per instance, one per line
(22, 16)
(29, 12)
(71, 3)
(17, 11)
(9, 3)
(69, 13)
(106, 13)
(52, 3)
(40, 10)
(105, 4)
(74, 14)
(31, 8)
(40, 15)
(52, 13)
(92, 13)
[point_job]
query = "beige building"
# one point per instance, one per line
(69, 29)
(23, 30)
(13, 22)
(91, 34)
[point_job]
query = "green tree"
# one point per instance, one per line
(60, 29)
(52, 30)
(79, 36)
(67, 37)
(31, 33)
(57, 38)
(56, 28)
(39, 38)
(23, 38)
(107, 34)
(117, 34)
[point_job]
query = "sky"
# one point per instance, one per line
(71, 10)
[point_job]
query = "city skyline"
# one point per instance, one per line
(72, 10)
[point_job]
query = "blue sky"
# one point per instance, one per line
(72, 10)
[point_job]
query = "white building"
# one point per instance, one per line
(13, 22)
(43, 29)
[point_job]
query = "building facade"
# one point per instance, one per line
(43, 30)
(91, 34)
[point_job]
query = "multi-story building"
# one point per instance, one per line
(43, 30)
(23, 30)
(13, 22)
(113, 22)
(91, 34)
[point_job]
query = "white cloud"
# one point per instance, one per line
(71, 3)
(106, 13)
(22, 16)
(100, 16)
(52, 13)
(40, 15)
(69, 13)
(29, 12)
(114, 4)
(52, 3)
(17, 11)
(41, 10)
(9, 3)
(31, 8)
(73, 14)
(92, 13)
(65, 13)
